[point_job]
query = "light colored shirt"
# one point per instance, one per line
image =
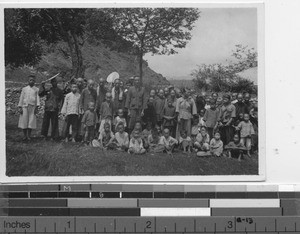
(122, 138)
(187, 139)
(167, 141)
(246, 129)
(136, 144)
(29, 96)
(71, 104)
(216, 146)
(186, 108)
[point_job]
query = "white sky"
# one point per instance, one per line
(214, 36)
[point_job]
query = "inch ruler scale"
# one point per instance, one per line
(150, 225)
(118, 208)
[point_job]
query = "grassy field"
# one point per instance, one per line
(46, 158)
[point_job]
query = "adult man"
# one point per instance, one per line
(88, 95)
(101, 92)
(247, 102)
(80, 84)
(53, 103)
(136, 102)
(240, 106)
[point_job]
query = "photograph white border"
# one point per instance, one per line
(148, 179)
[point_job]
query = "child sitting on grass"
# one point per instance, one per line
(153, 140)
(202, 141)
(185, 142)
(195, 128)
(121, 138)
(145, 134)
(246, 131)
(136, 143)
(137, 127)
(106, 138)
(235, 148)
(167, 142)
(89, 121)
(216, 147)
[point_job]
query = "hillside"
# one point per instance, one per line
(99, 61)
(184, 83)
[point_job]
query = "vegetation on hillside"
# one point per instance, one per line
(220, 77)
(33, 33)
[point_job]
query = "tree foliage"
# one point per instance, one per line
(26, 29)
(21, 47)
(155, 30)
(220, 77)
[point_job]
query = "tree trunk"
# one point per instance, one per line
(141, 65)
(75, 48)
(77, 60)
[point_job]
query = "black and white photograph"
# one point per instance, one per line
(168, 91)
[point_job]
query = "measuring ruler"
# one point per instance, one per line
(150, 224)
(113, 208)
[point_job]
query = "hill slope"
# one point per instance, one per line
(99, 61)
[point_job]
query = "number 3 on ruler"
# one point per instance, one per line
(230, 225)
(148, 224)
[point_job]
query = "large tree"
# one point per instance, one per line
(26, 29)
(155, 30)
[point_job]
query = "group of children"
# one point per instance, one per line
(217, 127)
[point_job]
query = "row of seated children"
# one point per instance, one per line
(151, 139)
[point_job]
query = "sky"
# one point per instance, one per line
(214, 36)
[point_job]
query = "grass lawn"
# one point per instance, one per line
(47, 158)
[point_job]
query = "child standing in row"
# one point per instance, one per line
(169, 117)
(89, 121)
(246, 131)
(70, 112)
(106, 112)
(211, 118)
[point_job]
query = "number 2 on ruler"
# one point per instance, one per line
(148, 224)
